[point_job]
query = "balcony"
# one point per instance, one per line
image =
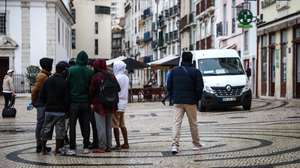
(147, 13)
(175, 35)
(183, 22)
(205, 8)
(167, 37)
(167, 13)
(154, 45)
(147, 36)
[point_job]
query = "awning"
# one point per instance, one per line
(131, 64)
(166, 61)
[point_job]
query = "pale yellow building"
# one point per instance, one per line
(92, 29)
(278, 61)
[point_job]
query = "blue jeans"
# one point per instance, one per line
(104, 130)
(52, 120)
(39, 124)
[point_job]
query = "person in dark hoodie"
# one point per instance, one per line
(103, 112)
(79, 77)
(54, 96)
(46, 64)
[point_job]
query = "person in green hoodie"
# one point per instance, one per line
(79, 77)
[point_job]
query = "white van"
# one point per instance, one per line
(225, 80)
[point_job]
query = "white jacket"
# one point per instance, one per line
(123, 80)
(8, 84)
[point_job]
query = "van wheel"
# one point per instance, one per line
(202, 108)
(247, 106)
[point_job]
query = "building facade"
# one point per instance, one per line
(92, 30)
(31, 30)
(117, 41)
(278, 37)
(117, 11)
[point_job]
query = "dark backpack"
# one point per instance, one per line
(108, 90)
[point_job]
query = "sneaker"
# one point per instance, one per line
(71, 152)
(85, 151)
(125, 146)
(116, 148)
(197, 147)
(174, 149)
(99, 150)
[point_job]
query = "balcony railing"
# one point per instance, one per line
(183, 22)
(147, 37)
(147, 13)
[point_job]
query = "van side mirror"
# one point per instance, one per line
(248, 72)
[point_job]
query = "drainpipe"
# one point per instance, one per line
(5, 11)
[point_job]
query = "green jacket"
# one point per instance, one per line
(79, 77)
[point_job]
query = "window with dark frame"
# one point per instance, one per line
(73, 34)
(264, 63)
(96, 27)
(96, 47)
(73, 13)
(102, 10)
(58, 30)
(2, 23)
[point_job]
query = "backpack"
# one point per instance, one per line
(108, 90)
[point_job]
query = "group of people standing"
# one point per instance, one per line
(98, 98)
(77, 91)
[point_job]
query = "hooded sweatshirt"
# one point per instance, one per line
(123, 80)
(101, 70)
(42, 76)
(79, 77)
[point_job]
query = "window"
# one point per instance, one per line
(224, 18)
(62, 33)
(73, 13)
(284, 52)
(2, 23)
(246, 40)
(58, 30)
(96, 46)
(73, 39)
(96, 27)
(102, 10)
(233, 16)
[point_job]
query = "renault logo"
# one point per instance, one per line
(228, 88)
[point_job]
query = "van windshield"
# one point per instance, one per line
(220, 66)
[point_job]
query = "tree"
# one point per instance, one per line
(31, 74)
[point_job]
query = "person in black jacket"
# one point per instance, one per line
(54, 95)
(185, 85)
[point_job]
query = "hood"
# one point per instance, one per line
(119, 67)
(46, 64)
(82, 58)
(222, 81)
(100, 65)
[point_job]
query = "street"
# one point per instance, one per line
(266, 136)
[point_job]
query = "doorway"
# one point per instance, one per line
(4, 65)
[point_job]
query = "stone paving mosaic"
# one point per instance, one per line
(267, 136)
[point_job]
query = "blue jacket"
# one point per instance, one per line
(185, 87)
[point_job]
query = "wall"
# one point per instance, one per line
(84, 25)
(14, 31)
(38, 32)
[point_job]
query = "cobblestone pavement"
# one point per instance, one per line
(267, 136)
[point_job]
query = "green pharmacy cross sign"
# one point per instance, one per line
(245, 19)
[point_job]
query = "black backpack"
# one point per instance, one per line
(108, 90)
(9, 112)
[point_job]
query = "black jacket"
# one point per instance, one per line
(185, 84)
(54, 94)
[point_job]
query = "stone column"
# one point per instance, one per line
(51, 29)
(25, 9)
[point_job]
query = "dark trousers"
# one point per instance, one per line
(82, 112)
(94, 128)
(40, 118)
(9, 99)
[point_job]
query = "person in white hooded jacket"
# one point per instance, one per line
(119, 68)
